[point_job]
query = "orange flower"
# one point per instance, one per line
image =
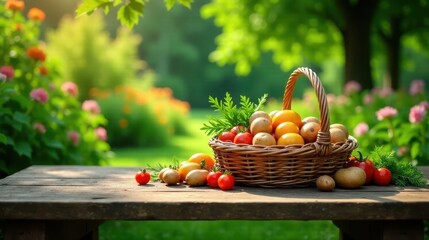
(15, 5)
(36, 54)
(43, 70)
(18, 27)
(36, 14)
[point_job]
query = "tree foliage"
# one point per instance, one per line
(129, 11)
(347, 32)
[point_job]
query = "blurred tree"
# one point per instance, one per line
(300, 32)
(394, 21)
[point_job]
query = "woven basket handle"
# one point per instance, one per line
(323, 143)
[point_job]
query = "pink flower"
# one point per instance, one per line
(361, 129)
(70, 88)
(352, 87)
(383, 92)
(101, 133)
(74, 137)
(386, 112)
(330, 98)
(417, 87)
(417, 114)
(341, 100)
(368, 99)
(91, 106)
(39, 127)
(8, 71)
(40, 95)
(425, 105)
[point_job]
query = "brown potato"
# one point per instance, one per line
(171, 177)
(264, 138)
(310, 119)
(161, 172)
(261, 124)
(340, 126)
(325, 183)
(350, 178)
(337, 135)
(197, 177)
(309, 131)
(258, 114)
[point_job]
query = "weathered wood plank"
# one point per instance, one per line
(106, 193)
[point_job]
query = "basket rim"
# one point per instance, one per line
(308, 148)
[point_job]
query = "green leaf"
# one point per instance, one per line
(170, 3)
(21, 118)
(128, 16)
(137, 5)
(89, 6)
(23, 149)
(415, 150)
(53, 143)
(3, 138)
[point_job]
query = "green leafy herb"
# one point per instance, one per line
(230, 114)
(403, 173)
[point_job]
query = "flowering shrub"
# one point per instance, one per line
(141, 117)
(41, 122)
(382, 117)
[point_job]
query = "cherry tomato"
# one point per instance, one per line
(238, 129)
(243, 138)
(142, 177)
(212, 179)
(227, 136)
(369, 169)
(382, 177)
(226, 181)
(364, 163)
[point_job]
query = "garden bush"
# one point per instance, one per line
(396, 120)
(141, 117)
(41, 120)
(89, 55)
(108, 69)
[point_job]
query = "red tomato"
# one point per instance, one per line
(238, 129)
(364, 163)
(369, 169)
(142, 177)
(243, 138)
(227, 136)
(212, 179)
(382, 177)
(352, 163)
(226, 181)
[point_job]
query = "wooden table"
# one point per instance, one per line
(69, 202)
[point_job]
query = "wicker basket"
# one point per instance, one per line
(286, 166)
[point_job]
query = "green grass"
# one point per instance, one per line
(180, 148)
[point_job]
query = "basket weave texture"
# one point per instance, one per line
(286, 166)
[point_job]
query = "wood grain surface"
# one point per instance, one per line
(111, 193)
